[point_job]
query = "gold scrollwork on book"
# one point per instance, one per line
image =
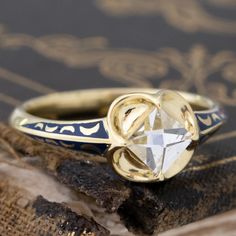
(171, 68)
(186, 15)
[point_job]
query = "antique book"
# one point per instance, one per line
(187, 45)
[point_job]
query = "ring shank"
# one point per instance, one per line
(53, 117)
(94, 100)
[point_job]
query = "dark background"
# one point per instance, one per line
(47, 46)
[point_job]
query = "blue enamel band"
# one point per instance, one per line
(93, 135)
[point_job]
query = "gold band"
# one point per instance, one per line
(78, 119)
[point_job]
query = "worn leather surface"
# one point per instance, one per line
(186, 44)
(206, 187)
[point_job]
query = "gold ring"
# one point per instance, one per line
(146, 134)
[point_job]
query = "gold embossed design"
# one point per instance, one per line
(186, 15)
(195, 68)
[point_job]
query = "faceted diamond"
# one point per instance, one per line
(159, 141)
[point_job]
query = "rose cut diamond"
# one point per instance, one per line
(160, 141)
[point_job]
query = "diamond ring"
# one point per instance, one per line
(147, 135)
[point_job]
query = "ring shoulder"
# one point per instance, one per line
(77, 135)
(210, 120)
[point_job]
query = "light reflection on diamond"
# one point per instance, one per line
(160, 141)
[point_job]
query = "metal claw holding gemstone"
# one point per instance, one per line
(151, 135)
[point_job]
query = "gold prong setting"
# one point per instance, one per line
(151, 135)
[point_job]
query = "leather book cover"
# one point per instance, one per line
(49, 46)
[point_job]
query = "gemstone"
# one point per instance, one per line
(159, 141)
